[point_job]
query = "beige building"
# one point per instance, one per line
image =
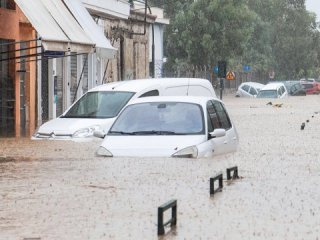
(130, 35)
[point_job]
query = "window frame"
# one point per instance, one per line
(221, 122)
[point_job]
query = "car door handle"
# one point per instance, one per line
(234, 138)
(225, 142)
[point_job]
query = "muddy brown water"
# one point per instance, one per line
(60, 190)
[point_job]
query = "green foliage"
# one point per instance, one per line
(279, 35)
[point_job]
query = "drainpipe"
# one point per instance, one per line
(144, 32)
(152, 48)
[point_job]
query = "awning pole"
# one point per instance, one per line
(48, 58)
(24, 41)
(20, 49)
(18, 57)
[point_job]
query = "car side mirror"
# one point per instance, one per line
(99, 134)
(217, 133)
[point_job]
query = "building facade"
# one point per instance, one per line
(129, 33)
(49, 60)
(17, 73)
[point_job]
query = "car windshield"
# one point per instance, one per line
(267, 94)
(102, 104)
(159, 118)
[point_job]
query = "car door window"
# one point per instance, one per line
(217, 116)
(245, 88)
(213, 121)
(279, 92)
(222, 115)
(150, 93)
(253, 91)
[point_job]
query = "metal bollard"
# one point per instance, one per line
(235, 173)
(173, 221)
(212, 180)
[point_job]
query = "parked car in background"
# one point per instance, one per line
(273, 90)
(99, 107)
(294, 88)
(249, 89)
(163, 126)
(307, 80)
(311, 87)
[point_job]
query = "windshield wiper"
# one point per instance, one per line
(122, 133)
(154, 132)
(84, 115)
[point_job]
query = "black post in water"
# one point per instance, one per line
(221, 87)
(218, 177)
(173, 221)
(235, 173)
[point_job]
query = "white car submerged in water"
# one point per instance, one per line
(171, 127)
(249, 89)
(99, 107)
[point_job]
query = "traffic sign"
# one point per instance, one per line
(215, 69)
(230, 76)
(246, 68)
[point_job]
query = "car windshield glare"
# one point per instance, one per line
(267, 94)
(102, 104)
(160, 118)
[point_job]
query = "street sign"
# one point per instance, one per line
(246, 68)
(53, 54)
(230, 76)
(215, 69)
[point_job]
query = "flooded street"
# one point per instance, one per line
(60, 190)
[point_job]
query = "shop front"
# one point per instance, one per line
(73, 48)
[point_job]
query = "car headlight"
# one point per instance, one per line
(189, 152)
(36, 134)
(85, 132)
(103, 152)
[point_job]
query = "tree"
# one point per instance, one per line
(266, 34)
(210, 30)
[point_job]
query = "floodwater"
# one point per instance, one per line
(53, 190)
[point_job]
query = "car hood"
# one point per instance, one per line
(149, 146)
(68, 126)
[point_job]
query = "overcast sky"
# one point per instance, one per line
(314, 6)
